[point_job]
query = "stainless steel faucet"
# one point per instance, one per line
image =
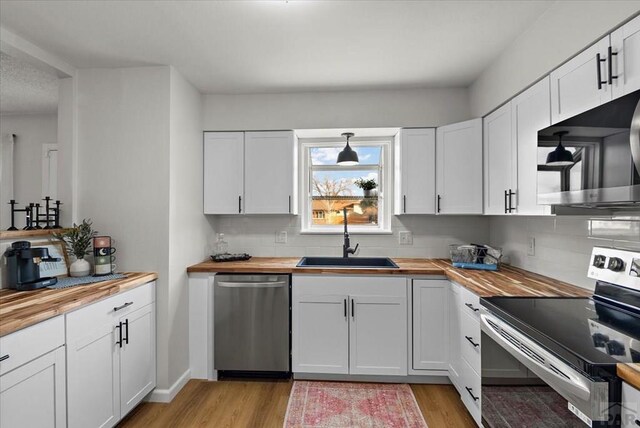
(346, 247)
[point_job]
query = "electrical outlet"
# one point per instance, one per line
(531, 248)
(405, 238)
(281, 237)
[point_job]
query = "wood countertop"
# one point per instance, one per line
(508, 281)
(20, 309)
(630, 373)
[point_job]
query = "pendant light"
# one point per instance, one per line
(560, 156)
(348, 156)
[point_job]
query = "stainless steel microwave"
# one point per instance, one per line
(592, 160)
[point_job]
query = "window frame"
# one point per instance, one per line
(385, 192)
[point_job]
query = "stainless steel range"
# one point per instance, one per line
(558, 356)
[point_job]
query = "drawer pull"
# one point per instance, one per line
(470, 339)
(117, 308)
(469, 390)
(470, 306)
(4, 357)
(638, 422)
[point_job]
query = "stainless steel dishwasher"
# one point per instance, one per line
(251, 323)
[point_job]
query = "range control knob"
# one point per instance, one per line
(616, 264)
(598, 261)
(635, 268)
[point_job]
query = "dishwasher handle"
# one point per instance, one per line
(230, 284)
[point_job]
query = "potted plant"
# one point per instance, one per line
(77, 240)
(367, 185)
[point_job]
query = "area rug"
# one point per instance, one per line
(352, 405)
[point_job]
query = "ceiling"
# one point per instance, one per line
(25, 88)
(279, 46)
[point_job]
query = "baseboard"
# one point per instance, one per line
(439, 380)
(167, 395)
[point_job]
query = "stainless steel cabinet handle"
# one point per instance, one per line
(4, 357)
(251, 284)
(470, 391)
(117, 308)
(470, 306)
(470, 339)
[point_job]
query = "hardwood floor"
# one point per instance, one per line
(263, 404)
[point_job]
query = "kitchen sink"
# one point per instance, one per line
(348, 263)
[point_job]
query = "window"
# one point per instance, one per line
(328, 189)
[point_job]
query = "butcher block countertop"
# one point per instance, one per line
(630, 373)
(20, 309)
(508, 281)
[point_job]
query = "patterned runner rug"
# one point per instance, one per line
(352, 405)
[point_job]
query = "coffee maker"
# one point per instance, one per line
(23, 266)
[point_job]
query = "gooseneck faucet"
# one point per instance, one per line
(346, 247)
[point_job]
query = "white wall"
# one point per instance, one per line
(431, 236)
(357, 109)
(189, 229)
(562, 244)
(563, 30)
(123, 171)
(32, 131)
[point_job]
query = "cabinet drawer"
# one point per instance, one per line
(31, 342)
(470, 391)
(470, 335)
(630, 406)
(104, 311)
(470, 303)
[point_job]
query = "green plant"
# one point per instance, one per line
(77, 239)
(365, 184)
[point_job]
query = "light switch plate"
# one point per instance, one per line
(405, 238)
(281, 237)
(531, 248)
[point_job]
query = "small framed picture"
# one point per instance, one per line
(57, 250)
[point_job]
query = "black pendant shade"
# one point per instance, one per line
(348, 156)
(560, 156)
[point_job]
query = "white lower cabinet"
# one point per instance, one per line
(349, 325)
(455, 311)
(33, 393)
(430, 324)
(630, 406)
(111, 357)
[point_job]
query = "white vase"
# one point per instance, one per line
(80, 267)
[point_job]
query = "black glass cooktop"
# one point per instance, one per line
(588, 334)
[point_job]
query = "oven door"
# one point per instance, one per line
(532, 387)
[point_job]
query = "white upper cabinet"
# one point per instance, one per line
(223, 172)
(269, 172)
(624, 72)
(531, 111)
(500, 162)
(459, 168)
(250, 172)
(415, 171)
(581, 83)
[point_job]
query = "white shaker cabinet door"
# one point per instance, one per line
(454, 309)
(500, 163)
(137, 357)
(581, 83)
(320, 327)
(415, 171)
(625, 64)
(33, 395)
(430, 324)
(378, 342)
(223, 172)
(269, 172)
(531, 111)
(459, 168)
(93, 373)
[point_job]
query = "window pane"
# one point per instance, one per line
(332, 191)
(367, 155)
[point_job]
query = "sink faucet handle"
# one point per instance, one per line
(356, 248)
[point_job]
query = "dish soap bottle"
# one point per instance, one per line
(221, 245)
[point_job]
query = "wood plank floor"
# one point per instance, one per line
(263, 404)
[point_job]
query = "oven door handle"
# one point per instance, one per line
(552, 371)
(229, 284)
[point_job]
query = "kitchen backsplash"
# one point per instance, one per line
(256, 235)
(562, 244)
